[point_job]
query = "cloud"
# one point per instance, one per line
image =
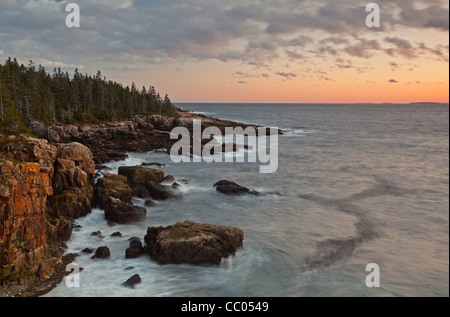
(294, 55)
(245, 75)
(394, 65)
(129, 34)
(242, 82)
(328, 49)
(287, 75)
(56, 64)
(322, 77)
(393, 81)
(435, 16)
(402, 47)
(438, 51)
(364, 48)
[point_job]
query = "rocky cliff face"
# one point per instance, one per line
(42, 187)
(111, 141)
(23, 231)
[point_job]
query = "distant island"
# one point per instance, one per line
(426, 103)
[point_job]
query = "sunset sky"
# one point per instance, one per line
(242, 50)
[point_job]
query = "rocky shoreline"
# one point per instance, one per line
(47, 183)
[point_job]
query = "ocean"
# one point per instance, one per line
(357, 183)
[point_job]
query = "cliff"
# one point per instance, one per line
(42, 187)
(45, 183)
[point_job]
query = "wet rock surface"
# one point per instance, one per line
(233, 189)
(193, 243)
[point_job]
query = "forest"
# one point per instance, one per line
(31, 93)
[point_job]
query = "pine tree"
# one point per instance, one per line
(27, 94)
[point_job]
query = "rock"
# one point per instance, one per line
(97, 234)
(175, 185)
(116, 235)
(59, 229)
(68, 176)
(134, 238)
(73, 203)
(141, 192)
(25, 252)
(132, 281)
(140, 175)
(149, 203)
(230, 188)
(112, 186)
(87, 250)
(168, 179)
(193, 243)
(161, 123)
(135, 250)
(136, 244)
(153, 164)
(38, 129)
(102, 253)
(122, 213)
(38, 200)
(161, 192)
(111, 142)
(26, 149)
(81, 155)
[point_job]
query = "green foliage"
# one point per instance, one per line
(28, 93)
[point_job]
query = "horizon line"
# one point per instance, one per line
(314, 103)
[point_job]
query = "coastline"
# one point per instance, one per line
(107, 142)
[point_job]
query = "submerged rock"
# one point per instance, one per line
(135, 250)
(162, 192)
(87, 250)
(132, 281)
(102, 253)
(230, 188)
(193, 243)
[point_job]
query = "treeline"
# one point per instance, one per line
(30, 93)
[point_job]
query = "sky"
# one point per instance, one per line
(296, 51)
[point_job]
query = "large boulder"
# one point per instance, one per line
(193, 243)
(102, 253)
(72, 203)
(132, 281)
(135, 250)
(38, 129)
(162, 192)
(120, 212)
(161, 122)
(230, 188)
(68, 175)
(141, 175)
(112, 186)
(80, 155)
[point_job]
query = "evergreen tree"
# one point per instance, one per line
(28, 93)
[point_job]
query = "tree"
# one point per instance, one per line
(28, 93)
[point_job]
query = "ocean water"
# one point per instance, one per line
(359, 184)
